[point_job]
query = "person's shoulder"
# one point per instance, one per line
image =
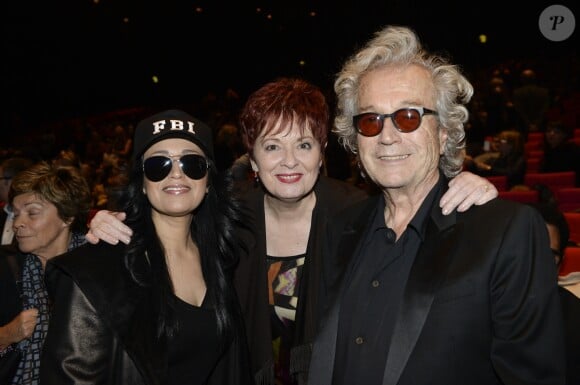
(499, 208)
(87, 251)
(353, 212)
(338, 194)
(88, 259)
(497, 204)
(99, 273)
(98, 270)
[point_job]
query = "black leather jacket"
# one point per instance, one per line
(110, 337)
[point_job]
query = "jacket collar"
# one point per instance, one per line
(427, 273)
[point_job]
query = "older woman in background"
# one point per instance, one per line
(51, 206)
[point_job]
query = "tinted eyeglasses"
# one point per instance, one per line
(405, 120)
(158, 167)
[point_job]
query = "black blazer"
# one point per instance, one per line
(251, 277)
(480, 304)
(571, 311)
(113, 326)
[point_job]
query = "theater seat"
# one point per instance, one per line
(532, 146)
(523, 196)
(554, 180)
(500, 182)
(535, 137)
(533, 164)
(568, 199)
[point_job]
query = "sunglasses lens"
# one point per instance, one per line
(194, 166)
(407, 120)
(368, 124)
(157, 168)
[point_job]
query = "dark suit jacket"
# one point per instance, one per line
(480, 304)
(571, 311)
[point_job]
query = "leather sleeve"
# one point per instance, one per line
(78, 348)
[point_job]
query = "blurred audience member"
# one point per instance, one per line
(241, 169)
(560, 153)
(228, 146)
(67, 158)
(498, 107)
(531, 102)
(8, 169)
(122, 141)
(51, 205)
(96, 146)
(111, 175)
(510, 160)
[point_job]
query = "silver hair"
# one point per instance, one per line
(393, 46)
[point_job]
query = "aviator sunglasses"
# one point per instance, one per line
(405, 120)
(158, 167)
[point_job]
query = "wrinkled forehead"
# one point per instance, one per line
(29, 198)
(395, 86)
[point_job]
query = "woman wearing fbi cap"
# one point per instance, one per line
(160, 310)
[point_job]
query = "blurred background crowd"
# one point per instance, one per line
(80, 74)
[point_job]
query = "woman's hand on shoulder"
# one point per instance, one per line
(466, 190)
(108, 226)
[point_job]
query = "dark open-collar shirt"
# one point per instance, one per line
(372, 296)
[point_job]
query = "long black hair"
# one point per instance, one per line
(212, 229)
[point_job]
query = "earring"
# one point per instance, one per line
(256, 177)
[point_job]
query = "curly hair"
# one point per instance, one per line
(396, 46)
(63, 186)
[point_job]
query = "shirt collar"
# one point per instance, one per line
(419, 221)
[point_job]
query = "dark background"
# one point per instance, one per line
(73, 58)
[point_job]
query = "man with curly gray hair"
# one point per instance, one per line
(413, 296)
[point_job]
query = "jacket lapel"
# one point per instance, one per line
(428, 272)
(149, 355)
(323, 353)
